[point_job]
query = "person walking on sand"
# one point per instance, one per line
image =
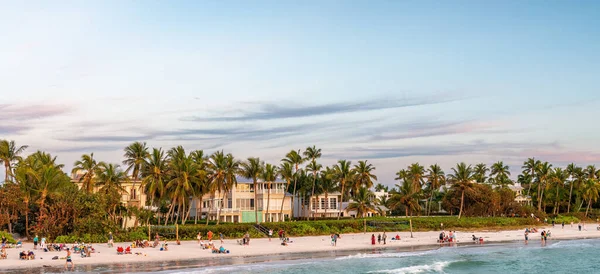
(35, 242)
(384, 237)
(209, 235)
(379, 239)
(270, 234)
(69, 260)
(110, 240)
(199, 237)
(221, 237)
(373, 239)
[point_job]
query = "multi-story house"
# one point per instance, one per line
(239, 204)
(319, 207)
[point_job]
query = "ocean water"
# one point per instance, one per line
(572, 256)
(568, 256)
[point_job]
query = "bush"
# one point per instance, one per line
(8, 236)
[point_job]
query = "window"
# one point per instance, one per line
(252, 203)
(323, 203)
(332, 203)
(229, 203)
(314, 203)
(133, 194)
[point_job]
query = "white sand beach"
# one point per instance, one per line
(259, 247)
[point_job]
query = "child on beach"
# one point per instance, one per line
(69, 260)
(198, 237)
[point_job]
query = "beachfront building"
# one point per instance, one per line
(239, 204)
(319, 207)
(132, 194)
(520, 197)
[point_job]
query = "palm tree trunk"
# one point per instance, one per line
(256, 201)
(27, 218)
(588, 207)
(313, 192)
(341, 199)
(556, 208)
(462, 202)
(6, 170)
(221, 207)
(326, 203)
(268, 201)
(283, 201)
(211, 205)
(570, 193)
(169, 213)
(293, 197)
(541, 196)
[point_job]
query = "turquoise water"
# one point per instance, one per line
(573, 256)
(569, 256)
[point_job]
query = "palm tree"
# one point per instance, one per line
(312, 154)
(182, 170)
(501, 173)
(380, 187)
(416, 173)
(135, 156)
(110, 177)
(343, 174)
(89, 167)
(462, 179)
(269, 176)
(363, 175)
(154, 175)
(529, 167)
(314, 167)
(9, 154)
(480, 171)
(328, 185)
(201, 182)
(293, 157)
(405, 197)
(286, 171)
(435, 178)
(252, 169)
(362, 202)
(571, 172)
(590, 193)
(224, 169)
(543, 172)
(558, 177)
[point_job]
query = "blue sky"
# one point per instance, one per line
(394, 82)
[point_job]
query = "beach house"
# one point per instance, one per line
(318, 207)
(238, 204)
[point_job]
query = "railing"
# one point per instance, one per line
(261, 229)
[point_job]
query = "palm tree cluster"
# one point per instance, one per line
(35, 187)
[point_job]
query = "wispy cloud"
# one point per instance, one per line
(478, 147)
(12, 129)
(16, 112)
(92, 148)
(281, 110)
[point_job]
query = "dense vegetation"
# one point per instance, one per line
(37, 196)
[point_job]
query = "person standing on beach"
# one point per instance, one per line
(442, 226)
(526, 237)
(69, 260)
(373, 239)
(221, 237)
(270, 234)
(35, 242)
(379, 239)
(209, 235)
(579, 226)
(563, 225)
(384, 237)
(110, 239)
(199, 237)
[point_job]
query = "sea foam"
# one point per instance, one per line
(437, 267)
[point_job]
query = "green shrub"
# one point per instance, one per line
(8, 236)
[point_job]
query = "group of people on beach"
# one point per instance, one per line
(449, 237)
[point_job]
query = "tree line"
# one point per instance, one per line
(38, 196)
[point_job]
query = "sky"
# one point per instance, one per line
(391, 82)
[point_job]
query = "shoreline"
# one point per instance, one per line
(189, 254)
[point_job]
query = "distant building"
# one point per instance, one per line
(320, 206)
(520, 197)
(239, 204)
